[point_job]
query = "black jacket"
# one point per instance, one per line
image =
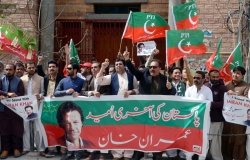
(218, 101)
(145, 80)
(46, 82)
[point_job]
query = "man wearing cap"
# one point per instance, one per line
(86, 70)
(234, 147)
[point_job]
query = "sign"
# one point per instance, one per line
(25, 106)
(145, 123)
(236, 109)
(145, 48)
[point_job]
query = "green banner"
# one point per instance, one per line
(147, 123)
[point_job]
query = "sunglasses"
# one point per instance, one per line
(197, 78)
(69, 68)
(154, 67)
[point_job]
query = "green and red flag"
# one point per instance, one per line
(215, 60)
(17, 42)
(183, 42)
(142, 26)
(185, 16)
(132, 123)
(73, 54)
(235, 59)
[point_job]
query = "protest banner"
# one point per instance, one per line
(236, 109)
(145, 123)
(25, 106)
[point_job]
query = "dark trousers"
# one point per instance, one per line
(138, 155)
(9, 142)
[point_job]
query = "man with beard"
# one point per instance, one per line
(11, 129)
(234, 147)
(52, 79)
(199, 92)
(217, 121)
(33, 84)
(19, 69)
(121, 83)
(151, 82)
(71, 85)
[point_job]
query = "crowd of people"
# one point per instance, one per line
(121, 78)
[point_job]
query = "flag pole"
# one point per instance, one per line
(125, 29)
(166, 67)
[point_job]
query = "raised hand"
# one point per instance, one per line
(126, 55)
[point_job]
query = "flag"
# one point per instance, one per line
(144, 26)
(185, 16)
(73, 54)
(183, 42)
(215, 61)
(234, 60)
(15, 41)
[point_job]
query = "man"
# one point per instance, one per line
(33, 84)
(70, 118)
(217, 121)
(178, 84)
(19, 69)
(152, 82)
(51, 80)
(71, 85)
(11, 130)
(200, 92)
(91, 88)
(30, 114)
(121, 83)
(234, 147)
(180, 88)
(86, 70)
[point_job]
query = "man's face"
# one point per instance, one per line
(70, 70)
(154, 69)
(176, 75)
(198, 81)
(95, 68)
(214, 76)
(52, 69)
(31, 68)
(237, 76)
(9, 70)
(73, 125)
(85, 70)
(19, 71)
(119, 67)
(28, 110)
(111, 70)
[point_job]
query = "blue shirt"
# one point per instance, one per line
(67, 83)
